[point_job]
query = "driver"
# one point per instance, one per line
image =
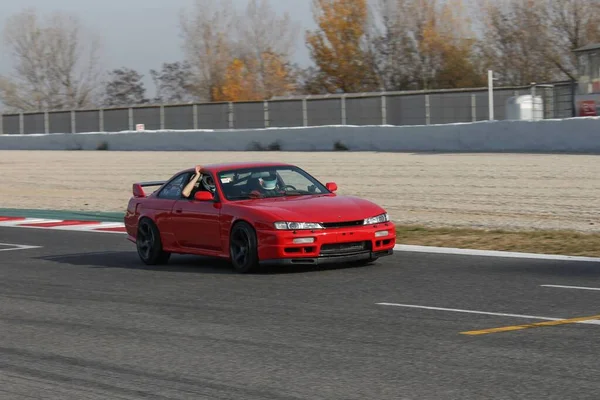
(267, 187)
(192, 187)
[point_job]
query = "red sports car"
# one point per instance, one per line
(256, 214)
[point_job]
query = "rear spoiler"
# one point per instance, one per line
(138, 190)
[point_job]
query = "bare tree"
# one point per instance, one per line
(208, 43)
(215, 34)
(388, 45)
(423, 44)
(124, 88)
(572, 24)
(54, 67)
(261, 30)
(174, 83)
(515, 40)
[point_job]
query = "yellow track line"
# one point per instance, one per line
(527, 326)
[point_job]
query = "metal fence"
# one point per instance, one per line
(389, 108)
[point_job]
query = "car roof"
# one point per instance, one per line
(240, 165)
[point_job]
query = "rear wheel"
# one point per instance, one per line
(243, 248)
(149, 245)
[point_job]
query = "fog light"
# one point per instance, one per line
(304, 240)
(381, 233)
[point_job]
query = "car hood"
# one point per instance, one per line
(322, 208)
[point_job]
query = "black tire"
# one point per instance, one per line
(149, 245)
(243, 248)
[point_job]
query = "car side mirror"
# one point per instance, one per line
(331, 186)
(203, 196)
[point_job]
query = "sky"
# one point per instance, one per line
(140, 34)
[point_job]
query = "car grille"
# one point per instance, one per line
(344, 248)
(342, 224)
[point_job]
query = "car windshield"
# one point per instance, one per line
(267, 182)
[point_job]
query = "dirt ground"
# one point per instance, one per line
(507, 191)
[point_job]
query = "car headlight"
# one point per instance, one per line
(377, 220)
(297, 225)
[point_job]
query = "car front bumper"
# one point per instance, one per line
(327, 246)
(323, 260)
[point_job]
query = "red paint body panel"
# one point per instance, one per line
(321, 208)
(203, 227)
(279, 244)
(197, 225)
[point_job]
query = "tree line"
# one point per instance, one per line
(357, 46)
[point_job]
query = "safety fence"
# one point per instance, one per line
(387, 108)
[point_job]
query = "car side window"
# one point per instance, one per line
(173, 189)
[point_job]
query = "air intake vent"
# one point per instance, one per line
(342, 224)
(344, 248)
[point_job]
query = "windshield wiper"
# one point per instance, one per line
(239, 198)
(297, 193)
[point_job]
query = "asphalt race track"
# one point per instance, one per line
(82, 318)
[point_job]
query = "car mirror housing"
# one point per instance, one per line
(203, 196)
(331, 186)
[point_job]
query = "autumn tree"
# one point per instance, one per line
(124, 88)
(240, 82)
(339, 47)
(220, 40)
(278, 76)
(244, 79)
(448, 47)
(56, 64)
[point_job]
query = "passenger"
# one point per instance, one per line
(192, 187)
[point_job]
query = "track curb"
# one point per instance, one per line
(63, 224)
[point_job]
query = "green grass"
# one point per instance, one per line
(535, 241)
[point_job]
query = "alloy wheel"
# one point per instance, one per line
(145, 241)
(242, 248)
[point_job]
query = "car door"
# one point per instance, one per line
(163, 205)
(197, 224)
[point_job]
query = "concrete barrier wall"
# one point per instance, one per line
(575, 135)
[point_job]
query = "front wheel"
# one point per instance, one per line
(149, 245)
(243, 248)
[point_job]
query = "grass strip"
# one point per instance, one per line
(538, 241)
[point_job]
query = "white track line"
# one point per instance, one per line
(89, 227)
(590, 322)
(28, 221)
(490, 253)
(18, 247)
(571, 287)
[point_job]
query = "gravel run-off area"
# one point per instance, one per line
(508, 191)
